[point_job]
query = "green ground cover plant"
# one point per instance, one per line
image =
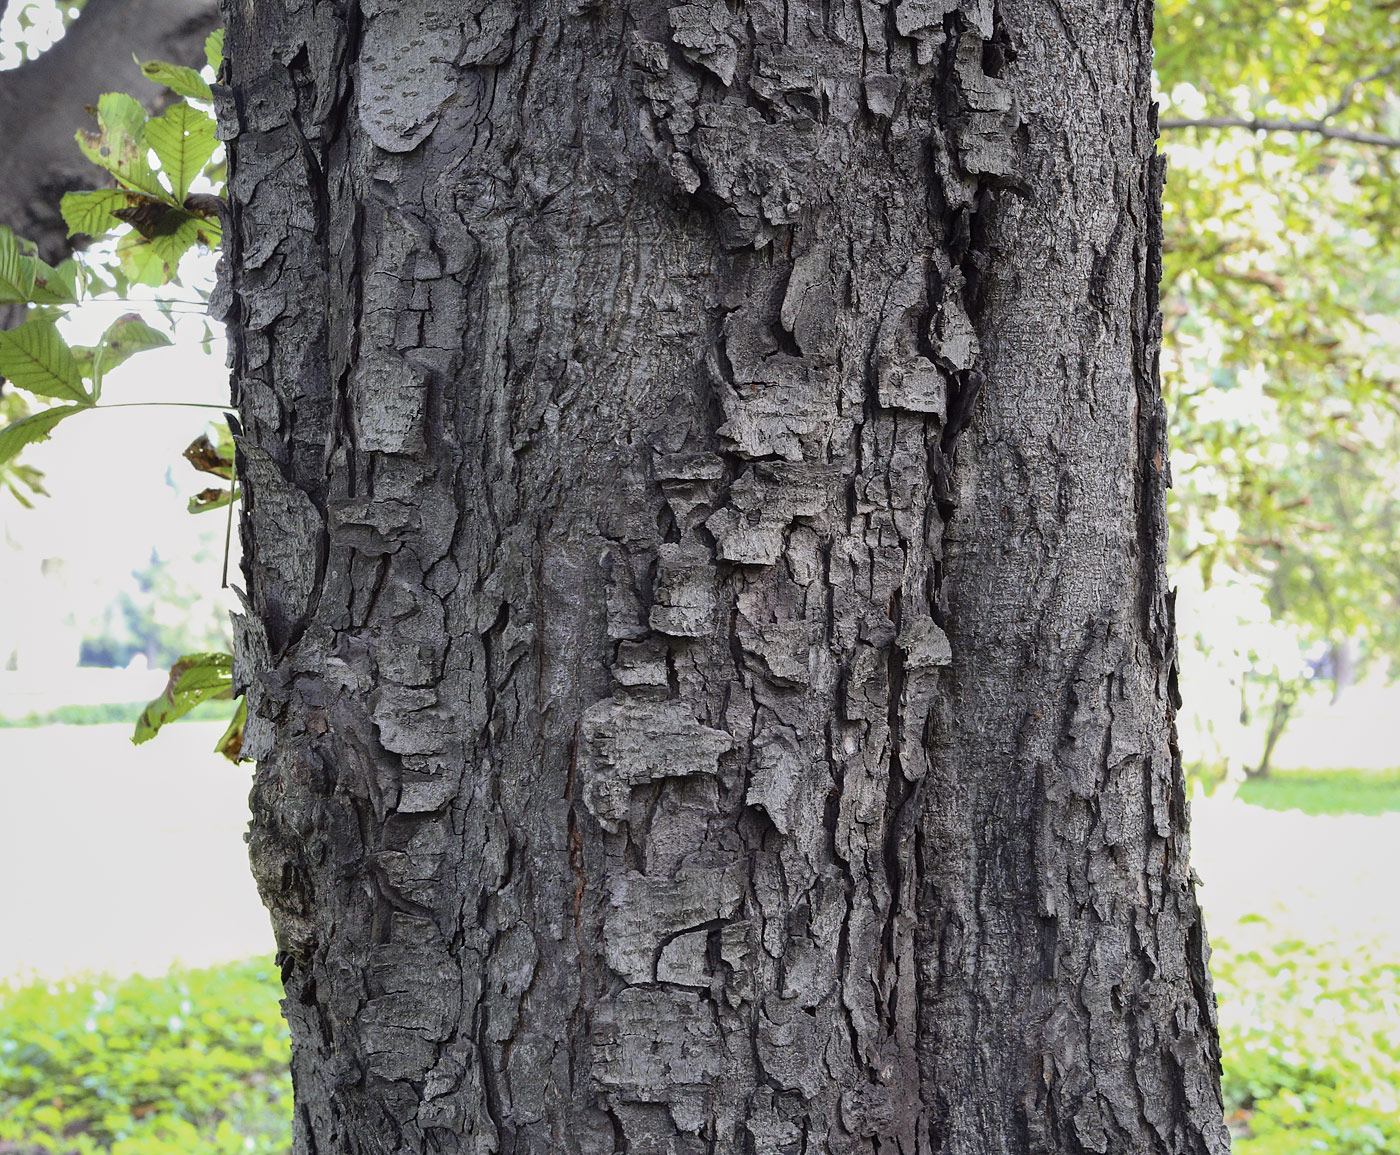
(191, 1063)
(195, 1062)
(1325, 791)
(104, 713)
(1311, 1041)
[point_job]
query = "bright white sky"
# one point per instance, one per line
(46, 26)
(117, 483)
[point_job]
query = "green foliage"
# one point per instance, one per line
(193, 1063)
(183, 141)
(38, 360)
(22, 482)
(1325, 791)
(94, 213)
(180, 80)
(196, 1062)
(214, 50)
(1281, 358)
(161, 219)
(109, 713)
(118, 145)
(124, 338)
(195, 678)
(1311, 1041)
(158, 220)
(32, 428)
(25, 279)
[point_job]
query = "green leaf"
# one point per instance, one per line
(16, 270)
(180, 80)
(183, 140)
(125, 337)
(55, 286)
(90, 213)
(195, 678)
(140, 264)
(36, 427)
(37, 359)
(26, 280)
(119, 144)
(154, 258)
(214, 49)
(230, 743)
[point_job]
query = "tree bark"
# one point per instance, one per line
(708, 657)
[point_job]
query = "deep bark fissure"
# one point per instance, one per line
(708, 658)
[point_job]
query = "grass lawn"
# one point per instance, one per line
(102, 713)
(1325, 791)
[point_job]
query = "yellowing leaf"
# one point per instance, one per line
(39, 361)
(119, 144)
(210, 499)
(230, 743)
(183, 140)
(207, 457)
(195, 678)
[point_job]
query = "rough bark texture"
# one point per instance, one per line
(709, 662)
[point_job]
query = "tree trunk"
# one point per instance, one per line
(708, 656)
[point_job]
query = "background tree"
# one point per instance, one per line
(1282, 300)
(708, 655)
(44, 101)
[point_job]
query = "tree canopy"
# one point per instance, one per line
(1281, 303)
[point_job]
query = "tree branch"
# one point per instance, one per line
(1268, 124)
(1349, 94)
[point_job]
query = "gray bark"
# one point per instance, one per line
(43, 103)
(708, 656)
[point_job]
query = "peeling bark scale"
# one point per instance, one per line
(709, 662)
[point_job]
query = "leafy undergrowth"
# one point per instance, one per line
(104, 713)
(1325, 791)
(192, 1063)
(1311, 1037)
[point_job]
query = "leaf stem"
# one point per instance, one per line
(160, 404)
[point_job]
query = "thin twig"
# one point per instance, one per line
(160, 404)
(1268, 124)
(1349, 93)
(228, 529)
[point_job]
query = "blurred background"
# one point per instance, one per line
(138, 1003)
